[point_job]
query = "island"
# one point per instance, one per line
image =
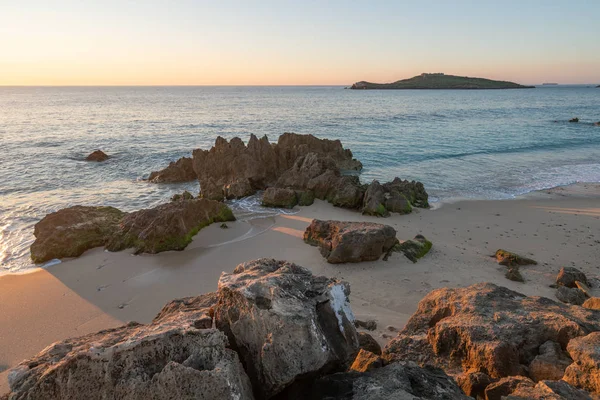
(441, 81)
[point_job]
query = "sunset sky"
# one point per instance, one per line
(189, 42)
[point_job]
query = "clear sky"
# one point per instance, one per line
(224, 42)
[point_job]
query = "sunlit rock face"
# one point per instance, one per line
(285, 322)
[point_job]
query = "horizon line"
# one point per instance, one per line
(252, 85)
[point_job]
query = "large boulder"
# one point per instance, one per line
(342, 242)
(170, 226)
(585, 371)
(169, 359)
(71, 231)
(285, 323)
(395, 381)
(98, 156)
(181, 170)
(487, 328)
(279, 197)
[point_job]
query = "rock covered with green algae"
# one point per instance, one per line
(414, 249)
(397, 196)
(170, 226)
(71, 231)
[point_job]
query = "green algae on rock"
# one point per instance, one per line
(415, 248)
(71, 231)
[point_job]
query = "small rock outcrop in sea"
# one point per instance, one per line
(181, 170)
(487, 328)
(71, 231)
(97, 156)
(177, 356)
(285, 323)
(342, 242)
(414, 249)
(395, 381)
(574, 119)
(585, 371)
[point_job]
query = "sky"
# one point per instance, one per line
(184, 42)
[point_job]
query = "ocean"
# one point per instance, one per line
(492, 144)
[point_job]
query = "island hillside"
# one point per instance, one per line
(441, 81)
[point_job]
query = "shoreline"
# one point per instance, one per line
(101, 289)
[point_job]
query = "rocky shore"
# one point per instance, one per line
(276, 330)
(273, 330)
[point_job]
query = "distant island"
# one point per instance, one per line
(549, 84)
(441, 81)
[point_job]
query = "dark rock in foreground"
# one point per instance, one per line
(486, 328)
(569, 276)
(97, 156)
(168, 359)
(342, 242)
(71, 231)
(395, 381)
(285, 323)
(181, 170)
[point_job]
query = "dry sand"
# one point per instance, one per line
(557, 227)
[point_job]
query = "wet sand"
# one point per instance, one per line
(557, 227)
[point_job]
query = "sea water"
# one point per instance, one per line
(491, 144)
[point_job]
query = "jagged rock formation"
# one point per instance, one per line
(181, 170)
(97, 156)
(71, 231)
(486, 328)
(285, 323)
(342, 242)
(259, 164)
(170, 358)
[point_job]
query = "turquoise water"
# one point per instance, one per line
(461, 144)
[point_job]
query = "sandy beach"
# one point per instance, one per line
(557, 227)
